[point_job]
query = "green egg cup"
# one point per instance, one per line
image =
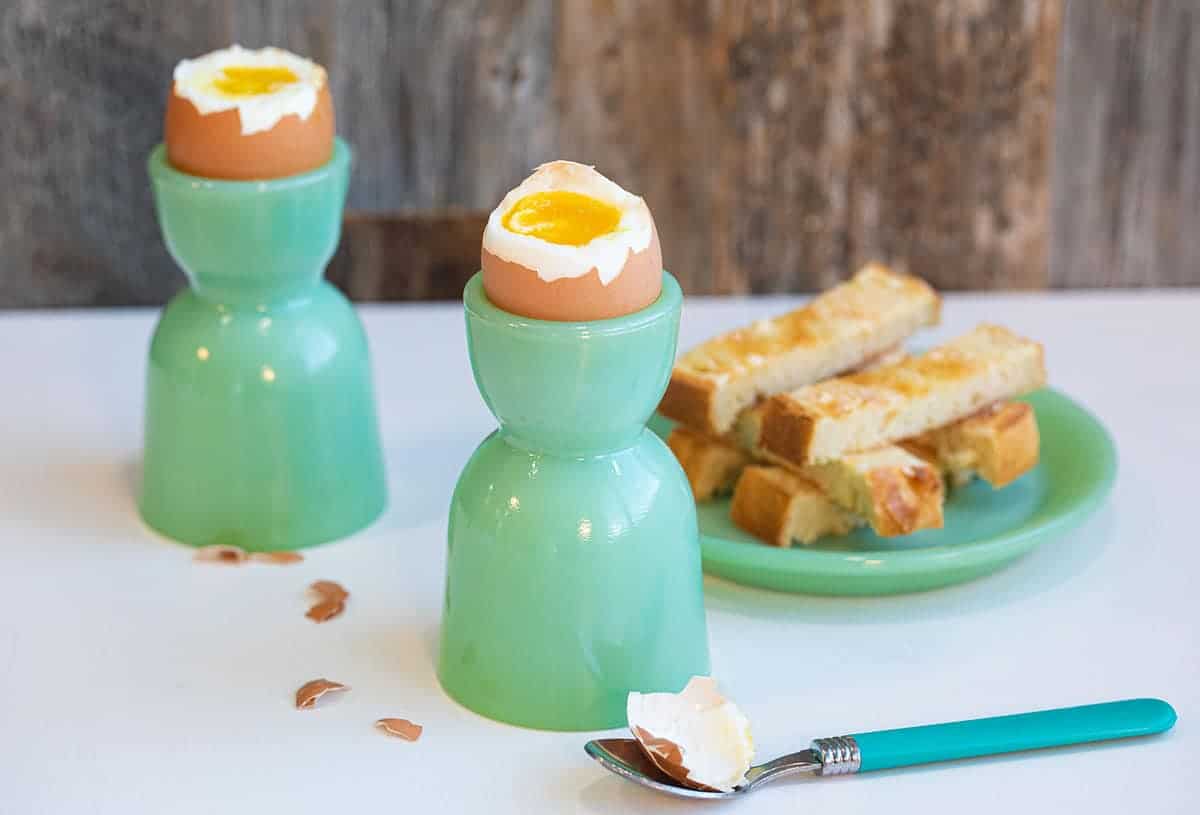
(573, 574)
(260, 416)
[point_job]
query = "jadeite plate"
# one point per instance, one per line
(985, 529)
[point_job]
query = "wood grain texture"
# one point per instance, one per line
(982, 143)
(638, 89)
(1127, 146)
(444, 103)
(81, 99)
(421, 256)
(782, 144)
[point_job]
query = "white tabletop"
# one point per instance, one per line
(133, 680)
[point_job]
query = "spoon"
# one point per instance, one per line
(885, 749)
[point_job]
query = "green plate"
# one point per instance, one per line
(985, 529)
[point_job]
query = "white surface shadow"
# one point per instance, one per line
(74, 491)
(88, 493)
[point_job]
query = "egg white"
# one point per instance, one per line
(194, 82)
(606, 254)
(712, 734)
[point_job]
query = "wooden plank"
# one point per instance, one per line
(1127, 146)
(639, 96)
(82, 88)
(446, 104)
(779, 143)
(416, 256)
(792, 141)
(947, 141)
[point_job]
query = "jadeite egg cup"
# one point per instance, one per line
(573, 574)
(260, 416)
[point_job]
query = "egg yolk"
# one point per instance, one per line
(562, 217)
(253, 81)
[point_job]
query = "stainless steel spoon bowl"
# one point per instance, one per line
(625, 758)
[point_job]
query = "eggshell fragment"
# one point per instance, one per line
(332, 601)
(329, 590)
(221, 553)
(667, 756)
(697, 736)
(236, 555)
(324, 611)
(310, 692)
(400, 728)
(277, 558)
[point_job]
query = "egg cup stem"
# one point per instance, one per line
(260, 425)
(573, 574)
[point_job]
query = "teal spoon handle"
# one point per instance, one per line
(884, 749)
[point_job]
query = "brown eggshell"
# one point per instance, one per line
(518, 289)
(668, 757)
(213, 145)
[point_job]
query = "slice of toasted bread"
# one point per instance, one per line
(748, 426)
(896, 491)
(712, 467)
(838, 330)
(779, 507)
(999, 443)
(865, 410)
(923, 448)
(890, 356)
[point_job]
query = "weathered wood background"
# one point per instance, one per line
(981, 143)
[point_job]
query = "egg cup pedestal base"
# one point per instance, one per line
(260, 416)
(573, 574)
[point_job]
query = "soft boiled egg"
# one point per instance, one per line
(568, 244)
(249, 114)
(696, 736)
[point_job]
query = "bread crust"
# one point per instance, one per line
(688, 400)
(780, 508)
(895, 494)
(905, 501)
(831, 419)
(1015, 447)
(787, 430)
(712, 467)
(838, 330)
(999, 443)
(761, 507)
